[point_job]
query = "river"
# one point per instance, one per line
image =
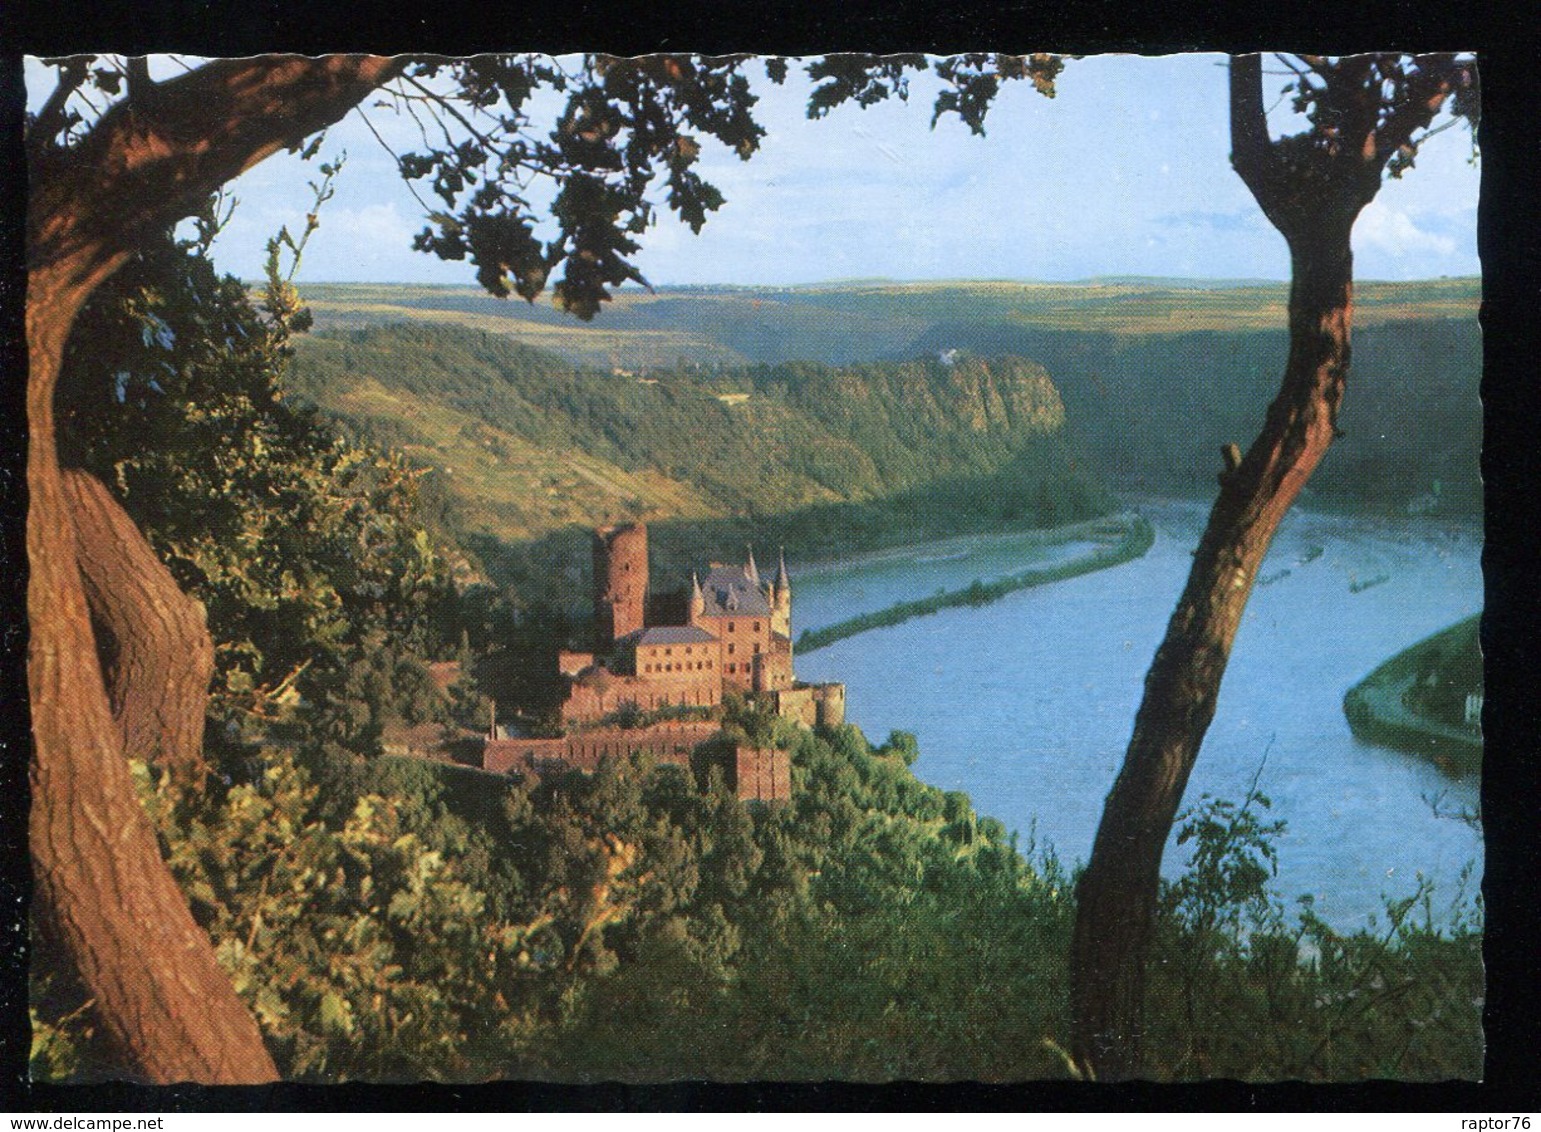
(1027, 704)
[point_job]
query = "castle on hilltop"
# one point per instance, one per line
(729, 632)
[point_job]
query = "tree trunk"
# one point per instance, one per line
(1117, 893)
(166, 1007)
(157, 655)
(102, 889)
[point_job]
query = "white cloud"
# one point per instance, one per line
(374, 223)
(1394, 232)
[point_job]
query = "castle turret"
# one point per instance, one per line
(697, 599)
(781, 600)
(620, 582)
(751, 571)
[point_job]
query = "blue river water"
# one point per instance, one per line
(1027, 704)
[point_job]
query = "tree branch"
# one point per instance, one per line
(52, 117)
(445, 105)
(1427, 90)
(141, 87)
(140, 169)
(161, 654)
(1253, 155)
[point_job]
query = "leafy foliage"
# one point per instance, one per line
(626, 123)
(536, 163)
(306, 549)
(1335, 95)
(971, 81)
(1236, 991)
(402, 920)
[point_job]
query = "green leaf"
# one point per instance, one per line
(336, 1014)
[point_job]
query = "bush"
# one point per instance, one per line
(1234, 991)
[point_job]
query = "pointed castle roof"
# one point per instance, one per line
(732, 590)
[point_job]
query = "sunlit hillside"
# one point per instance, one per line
(1155, 374)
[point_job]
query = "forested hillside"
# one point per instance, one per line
(1155, 409)
(819, 458)
(1155, 374)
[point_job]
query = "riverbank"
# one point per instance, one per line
(1118, 539)
(1378, 711)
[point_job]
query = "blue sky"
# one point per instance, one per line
(1126, 172)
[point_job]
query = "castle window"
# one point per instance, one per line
(730, 649)
(756, 626)
(757, 648)
(730, 626)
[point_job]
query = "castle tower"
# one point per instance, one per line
(697, 600)
(751, 571)
(620, 582)
(781, 600)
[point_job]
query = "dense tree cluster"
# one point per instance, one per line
(400, 920)
(306, 550)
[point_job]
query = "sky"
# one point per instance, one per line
(1125, 172)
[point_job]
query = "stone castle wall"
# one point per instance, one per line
(756, 774)
(812, 705)
(762, 774)
(672, 743)
(605, 696)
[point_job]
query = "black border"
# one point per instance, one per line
(1510, 245)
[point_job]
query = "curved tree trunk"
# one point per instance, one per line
(102, 889)
(1312, 187)
(1117, 893)
(154, 641)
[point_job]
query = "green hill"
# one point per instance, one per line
(1155, 374)
(532, 450)
(1154, 409)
